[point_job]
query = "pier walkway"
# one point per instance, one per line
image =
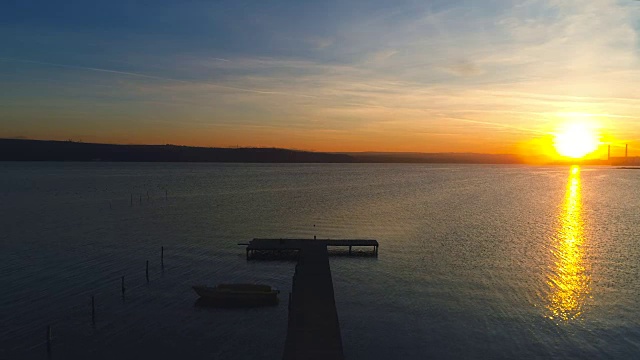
(314, 330)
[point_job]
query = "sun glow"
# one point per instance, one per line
(576, 140)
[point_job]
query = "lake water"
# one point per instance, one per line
(475, 261)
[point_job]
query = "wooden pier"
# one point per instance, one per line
(286, 247)
(313, 328)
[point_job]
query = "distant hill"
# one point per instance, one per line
(42, 150)
(457, 158)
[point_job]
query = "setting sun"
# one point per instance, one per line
(576, 140)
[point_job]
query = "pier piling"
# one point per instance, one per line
(49, 339)
(93, 310)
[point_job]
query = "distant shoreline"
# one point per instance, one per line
(72, 151)
(47, 150)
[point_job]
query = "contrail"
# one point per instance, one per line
(499, 125)
(153, 77)
(89, 68)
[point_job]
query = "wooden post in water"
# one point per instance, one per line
(93, 309)
(162, 256)
(131, 204)
(349, 249)
(147, 196)
(122, 287)
(49, 339)
(140, 199)
(166, 195)
(147, 271)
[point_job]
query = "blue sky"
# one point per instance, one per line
(490, 76)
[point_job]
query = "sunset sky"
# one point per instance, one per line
(422, 76)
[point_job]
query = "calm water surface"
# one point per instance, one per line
(475, 261)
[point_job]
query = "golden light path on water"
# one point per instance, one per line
(569, 281)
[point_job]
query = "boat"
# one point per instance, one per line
(237, 295)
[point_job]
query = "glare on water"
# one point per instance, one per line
(569, 279)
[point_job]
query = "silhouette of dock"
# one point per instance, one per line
(287, 248)
(313, 328)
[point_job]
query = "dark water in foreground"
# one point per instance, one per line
(475, 261)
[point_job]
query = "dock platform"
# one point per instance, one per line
(287, 247)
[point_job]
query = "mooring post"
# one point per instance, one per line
(49, 339)
(93, 309)
(147, 271)
(122, 287)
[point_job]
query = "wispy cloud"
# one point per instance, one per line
(319, 43)
(463, 68)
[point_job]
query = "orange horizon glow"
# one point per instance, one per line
(571, 137)
(544, 147)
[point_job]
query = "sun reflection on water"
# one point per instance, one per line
(569, 281)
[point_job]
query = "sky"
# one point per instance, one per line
(491, 76)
